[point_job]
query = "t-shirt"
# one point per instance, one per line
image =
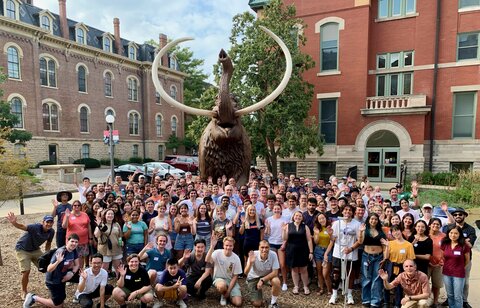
(454, 260)
(437, 255)
(81, 190)
(288, 213)
(261, 268)
(136, 236)
(333, 216)
(61, 270)
(323, 238)
(196, 268)
(275, 236)
(225, 267)
(219, 227)
(146, 216)
(79, 225)
(345, 234)
(399, 252)
(34, 238)
(60, 211)
(156, 260)
(92, 282)
(167, 280)
(423, 248)
(136, 281)
(309, 220)
(416, 215)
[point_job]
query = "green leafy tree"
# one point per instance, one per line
(283, 128)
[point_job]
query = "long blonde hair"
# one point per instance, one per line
(247, 219)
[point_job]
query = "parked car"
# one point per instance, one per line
(128, 169)
(165, 169)
(438, 213)
(184, 162)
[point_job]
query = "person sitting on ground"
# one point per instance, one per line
(93, 284)
(27, 249)
(262, 268)
(133, 283)
(226, 269)
(171, 284)
(63, 265)
(414, 284)
(199, 271)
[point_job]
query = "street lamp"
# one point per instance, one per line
(110, 119)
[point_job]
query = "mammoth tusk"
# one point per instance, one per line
(286, 77)
(161, 91)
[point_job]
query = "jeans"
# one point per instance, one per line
(372, 284)
(467, 279)
(398, 289)
(184, 241)
(454, 288)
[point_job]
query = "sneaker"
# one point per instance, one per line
(284, 287)
(333, 299)
(157, 304)
(75, 301)
(466, 305)
(444, 304)
(350, 300)
(223, 301)
(28, 300)
(275, 305)
(181, 303)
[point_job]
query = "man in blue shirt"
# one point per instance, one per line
(157, 257)
(27, 248)
(60, 205)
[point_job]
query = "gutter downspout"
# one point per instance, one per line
(435, 81)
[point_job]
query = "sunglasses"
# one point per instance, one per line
(455, 215)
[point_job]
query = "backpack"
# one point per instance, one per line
(45, 259)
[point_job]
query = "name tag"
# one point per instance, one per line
(184, 230)
(402, 251)
(465, 235)
(457, 253)
(128, 277)
(325, 232)
(73, 218)
(155, 259)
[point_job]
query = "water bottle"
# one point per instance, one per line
(120, 242)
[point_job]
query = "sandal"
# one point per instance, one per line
(295, 290)
(306, 291)
(321, 291)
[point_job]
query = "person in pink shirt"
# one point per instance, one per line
(78, 222)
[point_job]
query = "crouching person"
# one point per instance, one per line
(199, 271)
(172, 284)
(93, 284)
(133, 283)
(262, 270)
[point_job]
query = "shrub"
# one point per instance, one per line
(44, 162)
(445, 179)
(425, 177)
(148, 160)
(88, 162)
(135, 160)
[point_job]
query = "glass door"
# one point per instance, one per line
(374, 158)
(382, 164)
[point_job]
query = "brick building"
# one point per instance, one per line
(64, 77)
(395, 81)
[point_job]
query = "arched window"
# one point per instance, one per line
(85, 151)
(132, 52)
(13, 63)
(329, 47)
(45, 24)
(107, 80)
(82, 79)
(133, 123)
(16, 108)
(50, 116)
(110, 111)
(48, 72)
(174, 125)
(80, 36)
(11, 9)
(132, 89)
(84, 120)
(161, 152)
(107, 44)
(158, 124)
(173, 92)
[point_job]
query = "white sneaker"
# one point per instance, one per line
(181, 303)
(75, 301)
(223, 301)
(350, 299)
(284, 287)
(157, 304)
(333, 299)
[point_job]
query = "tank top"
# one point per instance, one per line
(323, 238)
(160, 223)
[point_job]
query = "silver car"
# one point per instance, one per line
(164, 169)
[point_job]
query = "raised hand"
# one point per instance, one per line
(54, 203)
(121, 269)
(149, 245)
(11, 218)
(129, 225)
(83, 274)
(213, 240)
(229, 224)
(178, 283)
(384, 242)
(363, 227)
(444, 206)
(59, 255)
(187, 253)
(383, 274)
(251, 256)
(67, 212)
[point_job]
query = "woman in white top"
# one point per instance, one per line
(274, 226)
(160, 224)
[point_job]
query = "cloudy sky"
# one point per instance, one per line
(209, 22)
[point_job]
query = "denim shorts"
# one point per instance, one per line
(184, 241)
(134, 248)
(319, 253)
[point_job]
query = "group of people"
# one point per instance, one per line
(175, 238)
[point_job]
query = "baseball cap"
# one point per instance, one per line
(141, 177)
(399, 185)
(427, 206)
(48, 218)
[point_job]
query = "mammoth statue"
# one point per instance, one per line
(224, 148)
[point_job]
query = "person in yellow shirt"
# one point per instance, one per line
(321, 237)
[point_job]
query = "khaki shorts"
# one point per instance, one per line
(423, 303)
(26, 258)
(256, 295)
(139, 296)
(437, 276)
(235, 290)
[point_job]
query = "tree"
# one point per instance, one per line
(283, 128)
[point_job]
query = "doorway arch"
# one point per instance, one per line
(382, 156)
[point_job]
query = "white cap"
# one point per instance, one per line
(427, 205)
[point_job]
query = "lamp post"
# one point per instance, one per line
(110, 119)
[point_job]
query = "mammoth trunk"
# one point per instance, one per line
(226, 108)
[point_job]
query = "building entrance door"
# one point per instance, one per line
(52, 153)
(382, 157)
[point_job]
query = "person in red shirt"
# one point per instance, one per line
(78, 222)
(435, 265)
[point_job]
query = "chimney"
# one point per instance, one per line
(163, 40)
(29, 2)
(62, 10)
(116, 34)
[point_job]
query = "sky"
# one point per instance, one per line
(208, 21)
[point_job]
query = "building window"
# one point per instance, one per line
(467, 46)
(288, 167)
(173, 92)
(135, 150)
(50, 116)
(464, 115)
(328, 120)
(329, 47)
(13, 60)
(84, 120)
(468, 3)
(174, 126)
(132, 89)
(11, 9)
(172, 62)
(458, 167)
(157, 98)
(48, 72)
(16, 108)
(326, 169)
(45, 23)
(85, 151)
(395, 83)
(80, 36)
(132, 52)
(107, 82)
(133, 123)
(20, 151)
(82, 79)
(395, 8)
(107, 44)
(158, 125)
(161, 152)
